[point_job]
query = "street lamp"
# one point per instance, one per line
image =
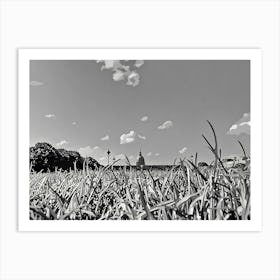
(108, 153)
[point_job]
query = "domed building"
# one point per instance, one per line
(140, 162)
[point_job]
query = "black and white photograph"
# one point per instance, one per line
(139, 140)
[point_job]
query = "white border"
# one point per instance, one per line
(254, 55)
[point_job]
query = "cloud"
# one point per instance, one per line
(138, 63)
(131, 157)
(105, 138)
(36, 83)
(119, 76)
(123, 70)
(166, 125)
(89, 151)
(50, 116)
(120, 156)
(144, 119)
(183, 150)
(142, 137)
(149, 154)
(133, 79)
(127, 138)
(111, 64)
(61, 143)
(74, 123)
(102, 158)
(242, 126)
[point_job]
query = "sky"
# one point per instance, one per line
(160, 107)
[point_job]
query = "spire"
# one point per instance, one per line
(140, 160)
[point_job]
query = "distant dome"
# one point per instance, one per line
(140, 160)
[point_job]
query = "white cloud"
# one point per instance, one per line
(131, 157)
(119, 75)
(89, 151)
(50, 116)
(149, 154)
(122, 71)
(36, 83)
(133, 79)
(183, 150)
(110, 64)
(102, 158)
(127, 138)
(144, 119)
(139, 63)
(242, 126)
(142, 137)
(166, 125)
(74, 123)
(120, 156)
(105, 138)
(61, 143)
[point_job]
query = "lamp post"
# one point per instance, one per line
(108, 153)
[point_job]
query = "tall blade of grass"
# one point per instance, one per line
(186, 198)
(166, 178)
(186, 175)
(193, 203)
(154, 185)
(127, 160)
(242, 147)
(247, 208)
(211, 190)
(198, 171)
(144, 204)
(216, 143)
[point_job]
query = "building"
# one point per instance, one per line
(140, 160)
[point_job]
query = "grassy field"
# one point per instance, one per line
(186, 191)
